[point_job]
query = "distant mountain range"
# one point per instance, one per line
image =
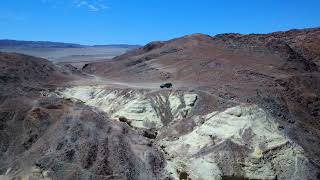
(65, 52)
(8, 43)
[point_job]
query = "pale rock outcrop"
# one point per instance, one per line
(144, 109)
(242, 141)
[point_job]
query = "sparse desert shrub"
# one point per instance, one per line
(123, 119)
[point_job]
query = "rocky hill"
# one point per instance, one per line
(279, 72)
(47, 137)
(241, 107)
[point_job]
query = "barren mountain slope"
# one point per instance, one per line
(295, 50)
(47, 137)
(277, 71)
(241, 107)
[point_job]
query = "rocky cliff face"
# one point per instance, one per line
(241, 107)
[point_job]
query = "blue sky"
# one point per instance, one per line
(142, 21)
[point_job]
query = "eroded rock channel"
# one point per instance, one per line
(242, 141)
(142, 108)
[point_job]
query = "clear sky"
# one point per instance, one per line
(142, 21)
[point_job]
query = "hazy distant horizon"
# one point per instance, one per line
(48, 41)
(115, 44)
(94, 22)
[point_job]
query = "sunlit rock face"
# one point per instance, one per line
(144, 109)
(242, 141)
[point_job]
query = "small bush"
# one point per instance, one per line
(123, 119)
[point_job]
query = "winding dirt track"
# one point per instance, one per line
(93, 80)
